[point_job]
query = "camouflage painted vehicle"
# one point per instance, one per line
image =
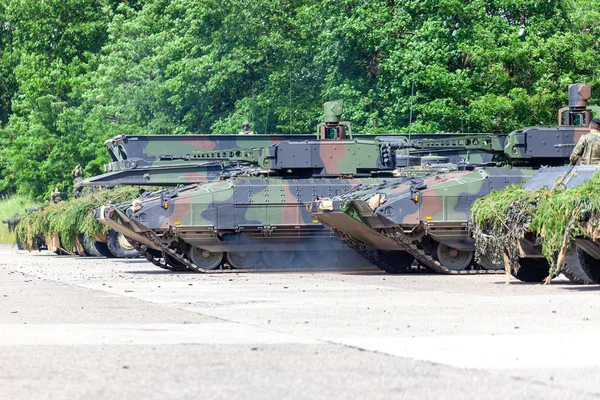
(86, 246)
(254, 215)
(172, 160)
(160, 160)
(576, 253)
(521, 249)
(245, 222)
(409, 218)
(428, 219)
(111, 244)
(58, 227)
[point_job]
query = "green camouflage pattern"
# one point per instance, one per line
(261, 185)
(539, 146)
(240, 216)
(255, 199)
(435, 209)
(151, 147)
(423, 185)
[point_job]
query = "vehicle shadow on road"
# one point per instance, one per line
(158, 271)
(129, 260)
(582, 288)
(563, 284)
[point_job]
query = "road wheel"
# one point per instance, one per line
(243, 259)
(119, 246)
(451, 258)
(485, 263)
(573, 269)
(204, 258)
(94, 248)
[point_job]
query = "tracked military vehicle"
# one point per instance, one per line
(135, 160)
(549, 226)
(160, 160)
(422, 218)
(171, 160)
(428, 219)
(254, 214)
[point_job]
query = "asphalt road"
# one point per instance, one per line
(73, 328)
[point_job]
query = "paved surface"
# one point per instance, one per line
(73, 328)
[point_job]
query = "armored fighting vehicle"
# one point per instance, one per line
(550, 225)
(547, 227)
(428, 219)
(138, 160)
(66, 227)
(254, 214)
(160, 160)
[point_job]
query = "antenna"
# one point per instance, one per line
(252, 102)
(267, 118)
(412, 93)
(290, 101)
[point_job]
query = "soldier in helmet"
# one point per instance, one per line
(246, 129)
(587, 149)
(55, 196)
(77, 175)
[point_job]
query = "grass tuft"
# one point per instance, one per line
(71, 217)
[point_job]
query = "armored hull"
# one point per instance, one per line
(244, 222)
(427, 219)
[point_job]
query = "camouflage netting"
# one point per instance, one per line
(554, 217)
(68, 218)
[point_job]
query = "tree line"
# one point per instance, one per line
(74, 73)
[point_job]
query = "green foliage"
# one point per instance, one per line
(69, 218)
(73, 73)
(556, 215)
(9, 205)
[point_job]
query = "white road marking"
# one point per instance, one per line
(141, 334)
(489, 352)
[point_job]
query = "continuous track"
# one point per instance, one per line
(186, 264)
(405, 244)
